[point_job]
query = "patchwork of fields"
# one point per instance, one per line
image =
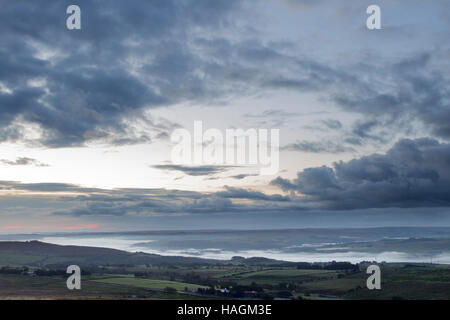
(36, 270)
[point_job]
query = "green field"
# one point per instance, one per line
(24, 287)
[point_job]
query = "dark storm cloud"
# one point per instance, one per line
(129, 57)
(88, 85)
(413, 173)
(136, 55)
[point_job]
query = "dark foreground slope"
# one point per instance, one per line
(39, 254)
(37, 270)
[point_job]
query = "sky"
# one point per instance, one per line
(86, 116)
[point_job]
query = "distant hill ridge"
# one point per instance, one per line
(52, 255)
(43, 253)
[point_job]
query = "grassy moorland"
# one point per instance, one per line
(36, 270)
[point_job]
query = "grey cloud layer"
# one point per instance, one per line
(128, 56)
(138, 55)
(80, 201)
(413, 173)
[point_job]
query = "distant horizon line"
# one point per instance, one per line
(220, 230)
